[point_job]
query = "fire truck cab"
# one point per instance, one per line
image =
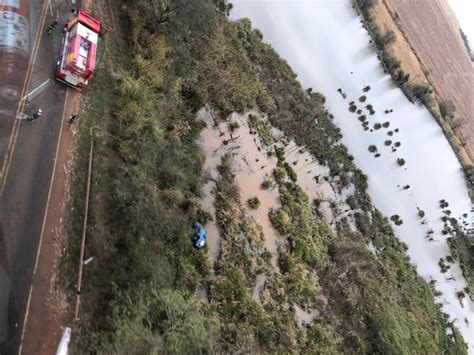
(78, 52)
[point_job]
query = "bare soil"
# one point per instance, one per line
(430, 48)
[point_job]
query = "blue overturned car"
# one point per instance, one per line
(200, 235)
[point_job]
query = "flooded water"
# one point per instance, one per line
(251, 167)
(328, 48)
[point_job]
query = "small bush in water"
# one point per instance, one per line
(253, 202)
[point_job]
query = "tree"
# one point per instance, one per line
(388, 38)
(447, 108)
(162, 11)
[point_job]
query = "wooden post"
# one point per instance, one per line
(84, 228)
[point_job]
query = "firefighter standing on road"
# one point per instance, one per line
(72, 119)
(36, 115)
(51, 27)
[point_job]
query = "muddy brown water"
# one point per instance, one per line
(251, 168)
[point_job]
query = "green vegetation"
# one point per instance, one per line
(443, 203)
(396, 219)
(139, 295)
(263, 129)
(364, 295)
(370, 108)
(372, 148)
(444, 267)
(234, 126)
(462, 248)
(253, 202)
(401, 161)
(461, 244)
(266, 184)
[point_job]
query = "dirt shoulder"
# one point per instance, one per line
(430, 49)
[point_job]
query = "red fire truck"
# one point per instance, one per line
(79, 50)
(14, 52)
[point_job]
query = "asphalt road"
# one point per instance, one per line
(27, 174)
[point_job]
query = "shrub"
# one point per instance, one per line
(280, 220)
(280, 153)
(233, 126)
(390, 62)
(396, 219)
(362, 98)
(443, 203)
(423, 94)
(386, 124)
(397, 144)
(401, 161)
(446, 108)
(402, 77)
(263, 129)
(388, 142)
(291, 173)
(266, 184)
(253, 202)
(377, 126)
(444, 267)
(372, 148)
(279, 174)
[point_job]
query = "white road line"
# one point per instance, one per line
(25, 320)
